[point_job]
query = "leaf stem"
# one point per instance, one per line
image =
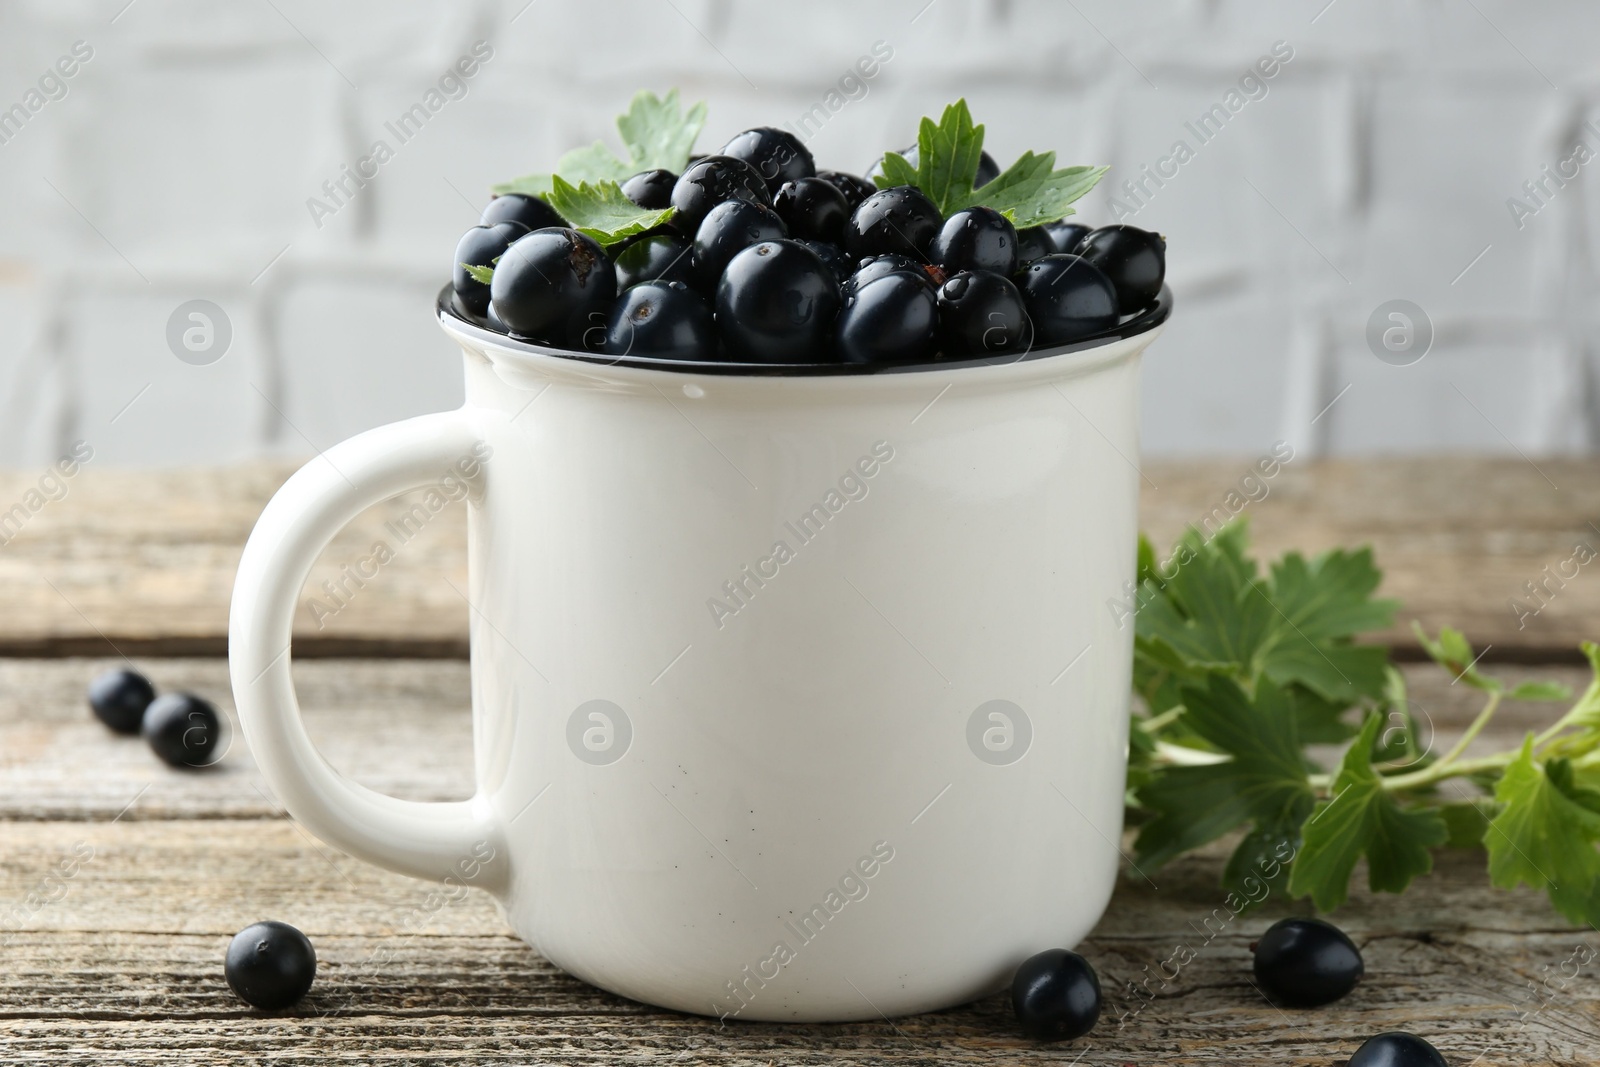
(1489, 708)
(1154, 724)
(1440, 771)
(1449, 765)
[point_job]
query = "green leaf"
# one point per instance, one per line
(948, 154)
(1452, 652)
(1466, 823)
(656, 133)
(1029, 192)
(1539, 691)
(1363, 819)
(483, 275)
(1264, 782)
(1260, 865)
(1585, 714)
(1213, 614)
(601, 211)
(1545, 835)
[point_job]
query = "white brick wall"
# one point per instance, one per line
(1377, 166)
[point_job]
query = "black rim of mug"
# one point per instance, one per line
(478, 329)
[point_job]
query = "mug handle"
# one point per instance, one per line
(457, 841)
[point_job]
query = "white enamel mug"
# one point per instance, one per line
(796, 696)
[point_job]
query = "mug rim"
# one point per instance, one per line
(455, 320)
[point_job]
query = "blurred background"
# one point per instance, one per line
(1382, 247)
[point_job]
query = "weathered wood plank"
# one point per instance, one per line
(121, 959)
(146, 559)
(403, 727)
(128, 963)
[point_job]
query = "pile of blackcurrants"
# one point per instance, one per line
(765, 259)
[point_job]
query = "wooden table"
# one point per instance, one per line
(121, 960)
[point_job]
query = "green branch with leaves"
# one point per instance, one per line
(1239, 671)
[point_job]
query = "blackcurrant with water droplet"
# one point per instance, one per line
(812, 208)
(657, 258)
(1034, 242)
(1302, 963)
(532, 212)
(1056, 996)
(712, 180)
(270, 965)
(119, 698)
(854, 189)
(875, 267)
(1396, 1048)
(1135, 260)
(662, 320)
(898, 220)
(183, 729)
(889, 320)
(776, 303)
(728, 229)
(548, 282)
(1066, 235)
(982, 314)
(480, 247)
(651, 189)
(833, 256)
(1067, 298)
(777, 155)
(976, 238)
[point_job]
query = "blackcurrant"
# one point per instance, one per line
(665, 320)
(1302, 963)
(1135, 260)
(1066, 235)
(657, 258)
(548, 283)
(728, 229)
(776, 303)
(834, 257)
(1056, 995)
(532, 212)
(1396, 1048)
(893, 220)
(270, 965)
(1066, 297)
(892, 319)
(982, 314)
(480, 247)
(812, 208)
(854, 189)
(988, 169)
(183, 729)
(708, 183)
(976, 238)
(119, 697)
(874, 267)
(1034, 242)
(777, 155)
(651, 189)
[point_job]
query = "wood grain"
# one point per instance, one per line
(123, 963)
(145, 560)
(403, 727)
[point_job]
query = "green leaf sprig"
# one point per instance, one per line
(1239, 671)
(657, 133)
(1029, 192)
